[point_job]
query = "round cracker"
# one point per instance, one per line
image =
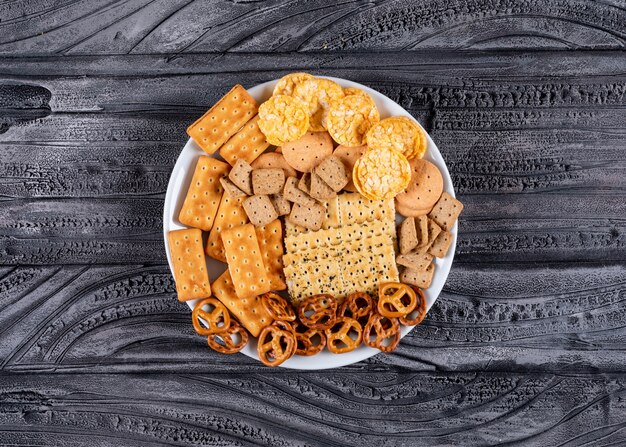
(273, 160)
(399, 133)
(318, 94)
(381, 174)
(411, 212)
(349, 119)
(355, 91)
(309, 151)
(349, 156)
(425, 187)
(283, 118)
(287, 83)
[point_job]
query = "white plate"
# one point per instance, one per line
(181, 177)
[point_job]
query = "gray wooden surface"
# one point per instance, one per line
(525, 99)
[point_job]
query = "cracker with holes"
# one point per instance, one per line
(268, 181)
(189, 265)
(204, 194)
(425, 187)
(349, 156)
(446, 211)
(247, 144)
(441, 244)
(304, 183)
(294, 194)
(281, 205)
(421, 226)
(408, 235)
(245, 261)
(421, 279)
(319, 189)
(229, 214)
(231, 189)
(241, 176)
(310, 217)
(270, 239)
(333, 172)
(274, 160)
(260, 210)
(223, 120)
(309, 151)
(415, 261)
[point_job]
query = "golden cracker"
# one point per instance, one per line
(189, 265)
(247, 144)
(270, 239)
(229, 214)
(282, 119)
(425, 187)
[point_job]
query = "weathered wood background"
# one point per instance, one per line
(525, 346)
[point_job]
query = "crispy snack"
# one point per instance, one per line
(349, 119)
(344, 336)
(231, 341)
(278, 308)
(217, 318)
(270, 239)
(407, 211)
(274, 160)
(275, 345)
(288, 327)
(349, 156)
(382, 333)
(309, 341)
(318, 311)
(282, 119)
(396, 299)
(309, 151)
(229, 214)
(399, 133)
(357, 305)
(425, 187)
(446, 211)
(192, 279)
(416, 316)
(247, 144)
(381, 174)
(355, 91)
(287, 83)
(319, 94)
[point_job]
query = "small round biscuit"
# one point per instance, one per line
(411, 212)
(425, 187)
(381, 174)
(287, 83)
(273, 160)
(309, 151)
(349, 119)
(283, 118)
(318, 94)
(349, 156)
(399, 133)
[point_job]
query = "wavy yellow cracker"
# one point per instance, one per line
(399, 133)
(381, 174)
(319, 95)
(350, 118)
(286, 84)
(282, 119)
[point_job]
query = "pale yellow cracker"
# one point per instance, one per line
(225, 118)
(247, 144)
(308, 279)
(204, 194)
(270, 239)
(245, 262)
(381, 174)
(318, 94)
(250, 312)
(229, 214)
(350, 118)
(287, 83)
(189, 265)
(399, 133)
(332, 219)
(312, 240)
(282, 119)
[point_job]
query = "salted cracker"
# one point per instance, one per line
(247, 144)
(260, 210)
(281, 205)
(229, 214)
(303, 284)
(446, 211)
(274, 160)
(333, 172)
(231, 189)
(421, 226)
(354, 208)
(241, 176)
(268, 181)
(304, 183)
(188, 262)
(308, 151)
(319, 189)
(421, 279)
(270, 238)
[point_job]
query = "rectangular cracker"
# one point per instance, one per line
(331, 220)
(441, 244)
(241, 176)
(231, 189)
(415, 261)
(294, 194)
(319, 189)
(222, 120)
(310, 217)
(270, 239)
(407, 234)
(313, 240)
(421, 226)
(304, 184)
(281, 205)
(433, 232)
(247, 144)
(189, 265)
(204, 194)
(260, 210)
(354, 208)
(250, 312)
(302, 283)
(368, 262)
(446, 211)
(268, 181)
(229, 214)
(420, 279)
(245, 261)
(333, 172)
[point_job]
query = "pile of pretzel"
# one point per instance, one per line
(320, 322)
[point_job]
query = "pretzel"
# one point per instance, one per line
(358, 305)
(278, 308)
(395, 299)
(419, 311)
(231, 341)
(382, 333)
(344, 336)
(217, 317)
(309, 341)
(287, 327)
(318, 311)
(275, 345)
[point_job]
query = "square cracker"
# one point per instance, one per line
(354, 208)
(245, 262)
(333, 172)
(260, 210)
(310, 217)
(415, 261)
(420, 279)
(319, 189)
(247, 144)
(446, 211)
(188, 262)
(433, 232)
(441, 244)
(304, 184)
(407, 235)
(231, 189)
(421, 226)
(248, 311)
(314, 277)
(294, 194)
(229, 214)
(281, 205)
(241, 176)
(270, 239)
(222, 120)
(268, 181)
(204, 194)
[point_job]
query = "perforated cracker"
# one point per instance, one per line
(222, 120)
(260, 210)
(446, 211)
(274, 160)
(326, 279)
(229, 214)
(188, 263)
(247, 144)
(441, 244)
(282, 119)
(354, 208)
(270, 239)
(415, 261)
(421, 279)
(204, 194)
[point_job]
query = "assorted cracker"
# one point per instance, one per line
(446, 211)
(270, 238)
(333, 172)
(309, 217)
(260, 210)
(308, 151)
(294, 194)
(407, 235)
(241, 176)
(229, 214)
(188, 264)
(281, 205)
(274, 160)
(247, 144)
(319, 188)
(231, 189)
(268, 181)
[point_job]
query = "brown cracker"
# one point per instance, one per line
(319, 189)
(231, 189)
(245, 262)
(310, 217)
(260, 210)
(307, 152)
(281, 205)
(203, 196)
(274, 160)
(441, 244)
(241, 176)
(270, 239)
(415, 261)
(247, 144)
(229, 214)
(189, 265)
(333, 172)
(446, 211)
(294, 194)
(411, 212)
(421, 225)
(222, 120)
(407, 234)
(420, 279)
(349, 156)
(304, 184)
(268, 181)
(424, 188)
(433, 232)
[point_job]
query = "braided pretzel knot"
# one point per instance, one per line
(416, 316)
(318, 311)
(275, 345)
(358, 305)
(309, 341)
(382, 333)
(344, 336)
(231, 341)
(396, 299)
(217, 317)
(278, 307)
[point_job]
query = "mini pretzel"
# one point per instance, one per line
(318, 311)
(344, 336)
(278, 307)
(382, 333)
(416, 316)
(275, 345)
(309, 341)
(396, 299)
(217, 317)
(287, 327)
(231, 341)
(358, 305)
